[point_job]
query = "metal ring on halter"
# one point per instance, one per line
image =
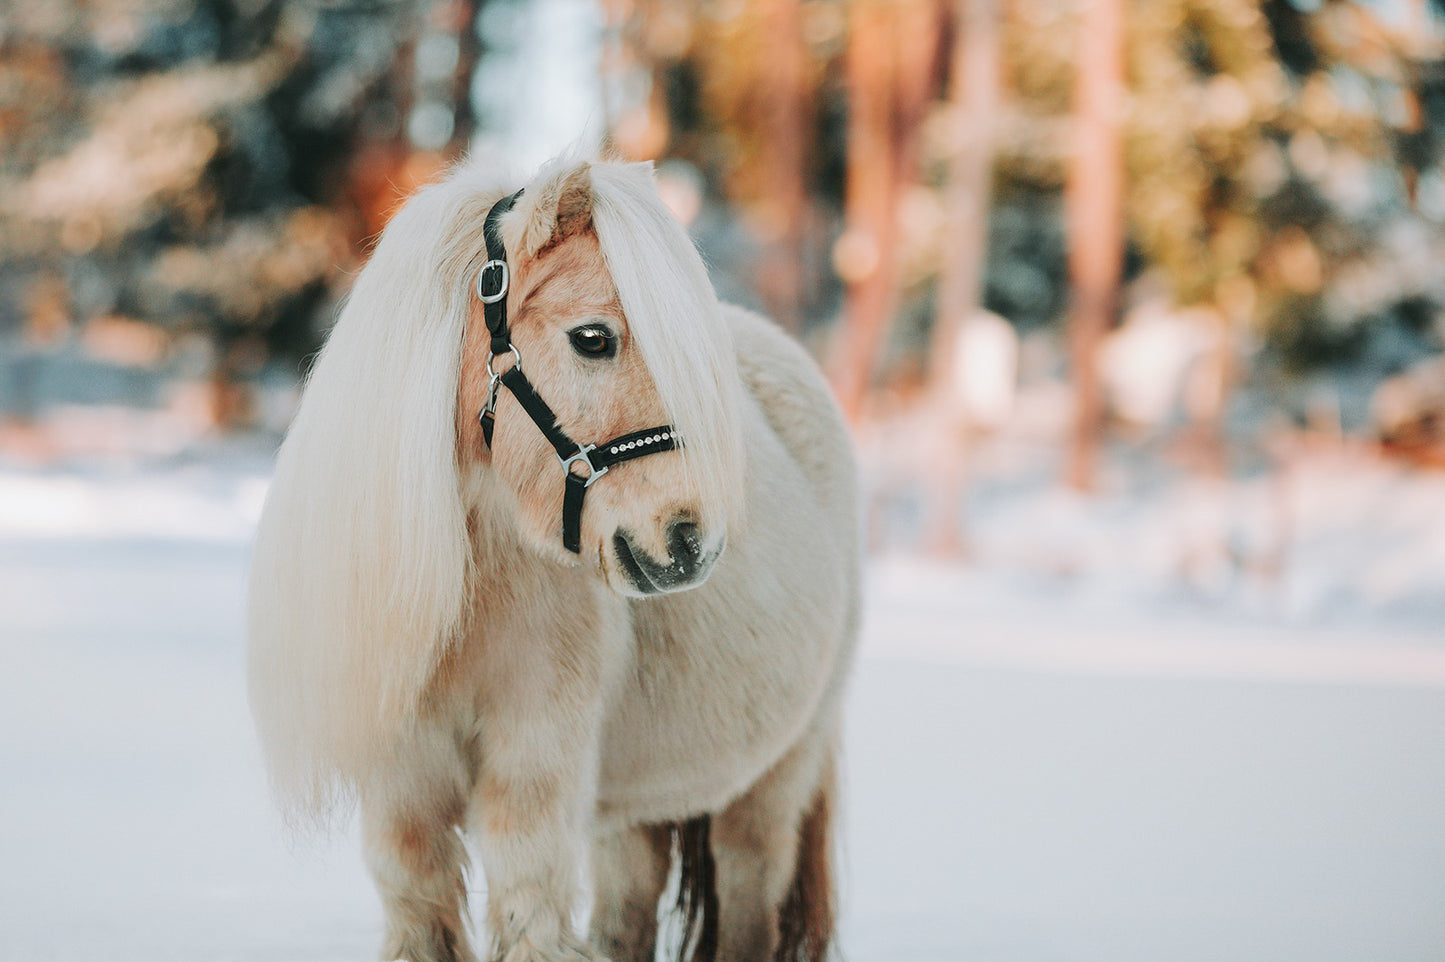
(584, 454)
(503, 283)
(516, 355)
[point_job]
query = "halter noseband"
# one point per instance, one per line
(493, 283)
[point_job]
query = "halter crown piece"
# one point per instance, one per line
(493, 283)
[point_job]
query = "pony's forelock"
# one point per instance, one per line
(676, 321)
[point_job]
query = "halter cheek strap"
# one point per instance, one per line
(493, 284)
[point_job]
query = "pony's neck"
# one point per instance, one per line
(492, 510)
(484, 495)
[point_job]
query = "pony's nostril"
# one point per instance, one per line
(682, 566)
(684, 546)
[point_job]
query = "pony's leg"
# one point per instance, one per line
(772, 851)
(629, 873)
(409, 836)
(531, 819)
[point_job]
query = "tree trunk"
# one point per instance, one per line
(892, 46)
(1094, 200)
(469, 55)
(975, 82)
(787, 112)
(974, 74)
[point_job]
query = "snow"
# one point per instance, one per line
(1086, 766)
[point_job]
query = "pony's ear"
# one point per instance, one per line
(555, 207)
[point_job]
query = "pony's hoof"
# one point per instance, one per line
(570, 951)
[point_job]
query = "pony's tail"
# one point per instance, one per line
(805, 924)
(809, 910)
(697, 889)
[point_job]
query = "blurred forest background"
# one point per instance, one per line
(1202, 234)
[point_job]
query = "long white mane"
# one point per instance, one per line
(362, 566)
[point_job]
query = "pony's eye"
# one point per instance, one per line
(593, 340)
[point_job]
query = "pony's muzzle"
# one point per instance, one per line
(688, 563)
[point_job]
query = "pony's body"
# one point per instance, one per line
(532, 699)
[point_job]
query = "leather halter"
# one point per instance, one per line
(493, 283)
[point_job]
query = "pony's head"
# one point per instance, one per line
(617, 329)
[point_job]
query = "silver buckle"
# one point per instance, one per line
(502, 285)
(584, 454)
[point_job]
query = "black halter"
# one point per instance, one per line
(493, 282)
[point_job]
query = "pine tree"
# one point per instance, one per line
(199, 171)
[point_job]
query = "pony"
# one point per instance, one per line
(646, 683)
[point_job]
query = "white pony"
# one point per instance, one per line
(665, 686)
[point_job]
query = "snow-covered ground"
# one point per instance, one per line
(1042, 766)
